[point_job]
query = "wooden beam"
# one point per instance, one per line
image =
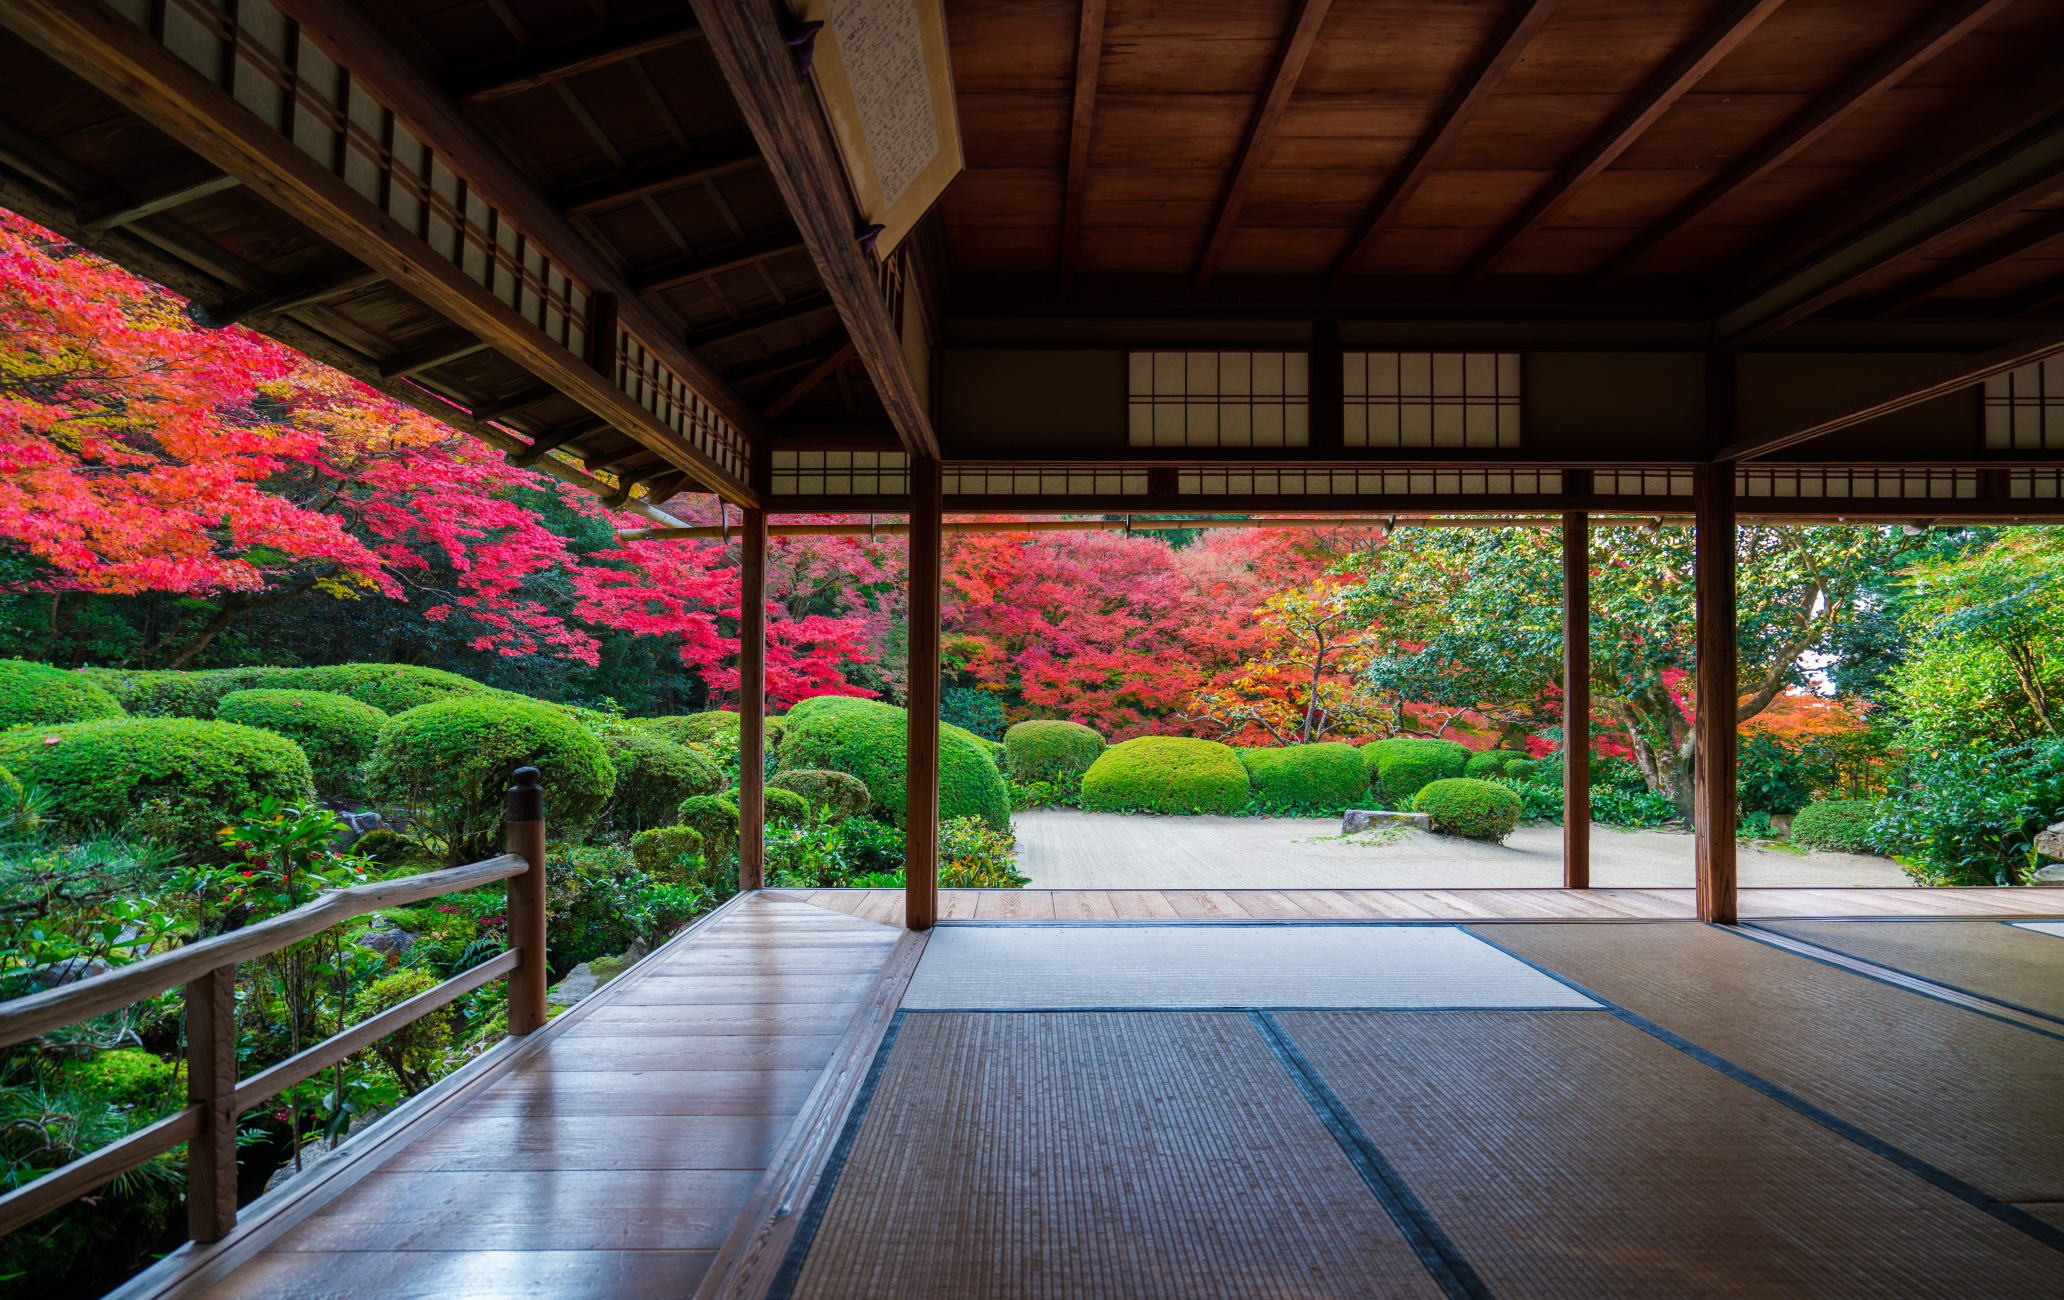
(285, 297)
(558, 60)
(2042, 297)
(1576, 700)
(634, 183)
(1717, 693)
(551, 440)
(1506, 44)
(2004, 249)
(752, 701)
(753, 52)
(778, 364)
(1268, 115)
(668, 275)
(516, 401)
(766, 318)
(1089, 62)
(1891, 65)
(921, 779)
(800, 389)
(121, 210)
(430, 356)
(524, 838)
(1923, 386)
(1729, 28)
(211, 1080)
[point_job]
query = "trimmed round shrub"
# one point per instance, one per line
(38, 693)
(449, 766)
(1491, 763)
(712, 726)
(1529, 770)
(838, 794)
(1473, 809)
(184, 778)
(1057, 753)
(1166, 774)
(396, 688)
(866, 739)
(653, 776)
(785, 806)
(1402, 766)
(665, 850)
(712, 817)
(1327, 776)
(335, 731)
(168, 693)
(1842, 825)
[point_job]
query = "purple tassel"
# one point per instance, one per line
(802, 46)
(867, 238)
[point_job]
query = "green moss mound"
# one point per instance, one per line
(38, 694)
(1842, 825)
(866, 739)
(785, 806)
(837, 795)
(1057, 753)
(182, 778)
(1402, 766)
(335, 731)
(653, 776)
(168, 693)
(713, 818)
(449, 765)
(1492, 763)
(1473, 809)
(1166, 774)
(666, 850)
(395, 688)
(1327, 776)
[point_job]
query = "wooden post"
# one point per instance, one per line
(921, 789)
(752, 701)
(526, 830)
(211, 1080)
(1576, 700)
(1717, 698)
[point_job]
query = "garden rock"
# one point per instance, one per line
(70, 971)
(1356, 820)
(388, 941)
(2052, 875)
(2051, 842)
(591, 975)
(352, 827)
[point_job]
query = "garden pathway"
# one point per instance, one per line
(1062, 849)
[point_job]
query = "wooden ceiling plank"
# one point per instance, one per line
(1268, 115)
(430, 356)
(754, 55)
(779, 314)
(2042, 297)
(557, 60)
(1089, 59)
(800, 389)
(513, 402)
(286, 297)
(1887, 68)
(632, 184)
(2004, 249)
(1735, 22)
(1507, 43)
(778, 364)
(121, 210)
(701, 266)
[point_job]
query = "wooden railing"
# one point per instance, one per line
(207, 973)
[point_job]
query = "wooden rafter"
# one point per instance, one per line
(2007, 247)
(561, 59)
(1089, 59)
(766, 318)
(120, 210)
(730, 257)
(1884, 70)
(1729, 28)
(1469, 96)
(291, 296)
(1268, 114)
(778, 364)
(430, 356)
(2042, 297)
(628, 185)
(800, 389)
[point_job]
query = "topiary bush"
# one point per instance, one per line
(785, 806)
(867, 739)
(184, 777)
(1473, 809)
(1325, 777)
(1057, 753)
(710, 726)
(1843, 825)
(1401, 766)
(665, 850)
(1492, 763)
(395, 688)
(1166, 774)
(653, 776)
(449, 765)
(38, 693)
(169, 693)
(335, 731)
(713, 818)
(837, 795)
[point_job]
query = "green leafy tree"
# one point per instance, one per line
(1987, 629)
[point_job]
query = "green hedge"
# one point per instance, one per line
(395, 688)
(169, 693)
(1476, 810)
(785, 806)
(1057, 753)
(38, 693)
(713, 818)
(178, 780)
(1843, 825)
(665, 850)
(1492, 762)
(335, 731)
(1166, 774)
(653, 776)
(866, 739)
(839, 794)
(1327, 776)
(447, 766)
(1402, 766)
(710, 726)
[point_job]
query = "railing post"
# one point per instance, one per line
(211, 1080)
(526, 823)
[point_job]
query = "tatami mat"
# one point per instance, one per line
(2014, 964)
(1067, 967)
(1094, 1154)
(1968, 1093)
(1579, 1157)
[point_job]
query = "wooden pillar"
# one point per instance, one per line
(1576, 700)
(752, 701)
(525, 821)
(1716, 702)
(211, 1080)
(921, 789)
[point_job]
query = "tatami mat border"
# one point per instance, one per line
(1743, 932)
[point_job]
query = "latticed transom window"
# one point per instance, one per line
(2024, 408)
(1219, 399)
(1430, 399)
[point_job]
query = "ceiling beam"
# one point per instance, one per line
(800, 389)
(2002, 186)
(1934, 382)
(568, 58)
(1089, 62)
(2045, 295)
(2004, 249)
(778, 364)
(669, 275)
(430, 356)
(1884, 70)
(289, 296)
(120, 210)
(1496, 58)
(511, 403)
(754, 55)
(1268, 114)
(634, 183)
(766, 318)
(1685, 69)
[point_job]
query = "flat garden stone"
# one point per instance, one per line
(2051, 842)
(2051, 875)
(1367, 819)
